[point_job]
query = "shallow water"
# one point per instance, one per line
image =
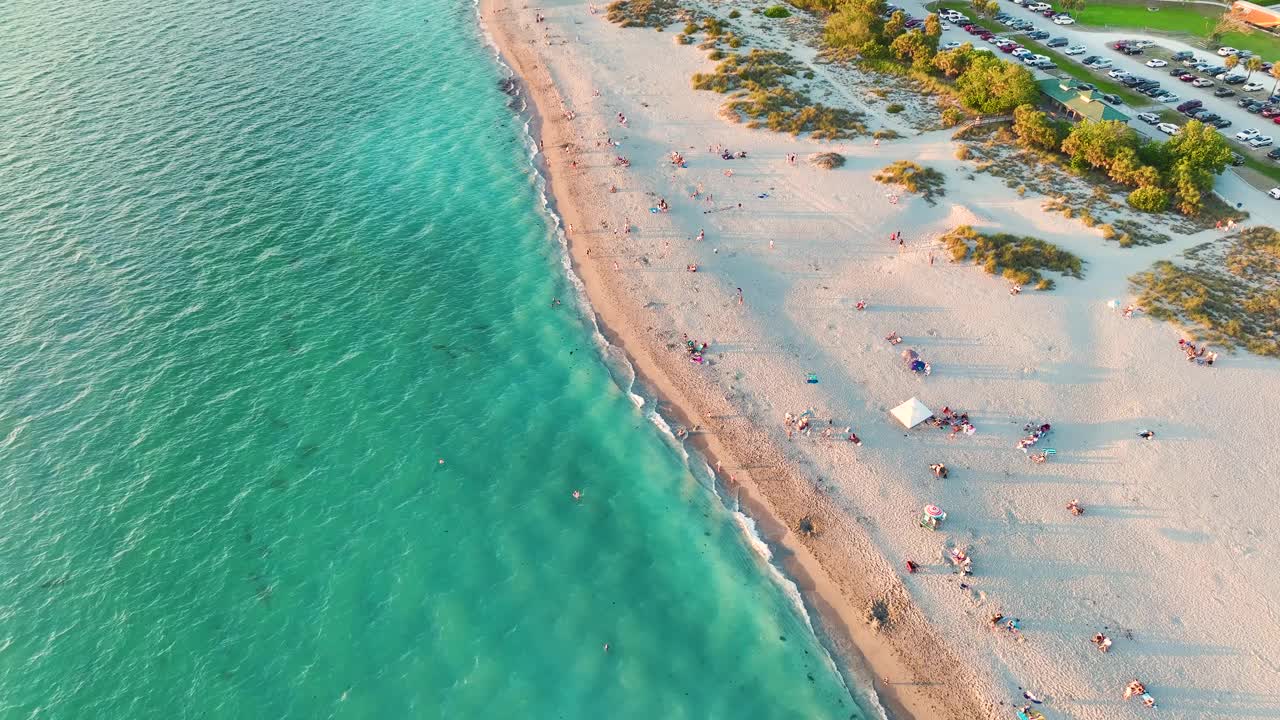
(264, 266)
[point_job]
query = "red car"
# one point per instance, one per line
(1270, 111)
(1276, 119)
(1009, 48)
(1186, 77)
(1049, 13)
(970, 28)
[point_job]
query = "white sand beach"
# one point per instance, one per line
(1174, 557)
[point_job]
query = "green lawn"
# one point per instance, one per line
(1169, 18)
(1196, 21)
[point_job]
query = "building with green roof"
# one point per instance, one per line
(1066, 95)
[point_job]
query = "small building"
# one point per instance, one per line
(1065, 95)
(1256, 15)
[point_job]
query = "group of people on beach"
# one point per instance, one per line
(957, 422)
(1198, 355)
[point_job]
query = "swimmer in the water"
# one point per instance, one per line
(577, 494)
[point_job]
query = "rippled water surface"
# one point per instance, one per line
(262, 266)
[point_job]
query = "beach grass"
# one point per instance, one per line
(642, 13)
(1021, 260)
(827, 160)
(1224, 292)
(756, 83)
(915, 178)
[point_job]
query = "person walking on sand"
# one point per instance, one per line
(702, 234)
(740, 300)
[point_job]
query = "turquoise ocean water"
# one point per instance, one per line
(262, 266)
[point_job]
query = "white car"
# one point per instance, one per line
(949, 45)
(1201, 82)
(944, 24)
(1247, 134)
(1168, 97)
(1274, 192)
(1076, 50)
(1100, 64)
(1149, 118)
(1063, 20)
(1035, 59)
(1021, 52)
(1040, 7)
(1226, 50)
(1260, 141)
(1143, 44)
(1168, 128)
(1252, 87)
(1154, 62)
(1118, 73)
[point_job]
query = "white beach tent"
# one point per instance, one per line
(911, 413)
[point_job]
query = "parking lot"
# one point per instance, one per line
(1124, 71)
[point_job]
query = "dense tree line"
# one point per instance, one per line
(1179, 171)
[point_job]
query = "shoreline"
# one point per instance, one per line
(924, 682)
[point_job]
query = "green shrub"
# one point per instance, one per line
(734, 14)
(714, 55)
(808, 75)
(691, 29)
(735, 41)
(777, 11)
(894, 108)
(683, 39)
(885, 134)
(963, 153)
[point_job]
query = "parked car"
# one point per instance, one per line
(1223, 92)
(1132, 50)
(1177, 72)
(949, 45)
(1168, 97)
(1038, 35)
(1245, 101)
(1075, 50)
(1191, 62)
(1270, 111)
(1186, 77)
(1221, 123)
(1237, 159)
(1034, 59)
(1227, 50)
(1209, 118)
(1112, 99)
(1274, 192)
(1063, 20)
(1276, 120)
(1057, 42)
(1235, 80)
(1182, 55)
(1247, 134)
(1202, 82)
(1118, 73)
(1260, 141)
(1101, 64)
(1021, 52)
(1255, 107)
(1149, 118)
(1040, 6)
(1086, 86)
(1009, 48)
(1168, 128)
(1188, 105)
(1144, 44)
(1252, 87)
(1156, 63)
(1274, 154)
